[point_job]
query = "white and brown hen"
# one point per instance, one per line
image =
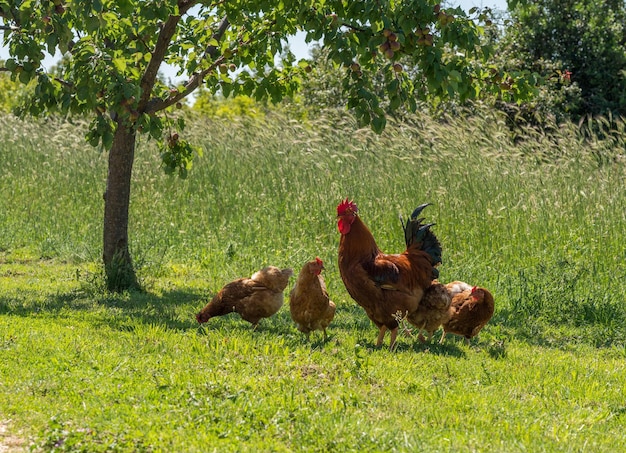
(471, 309)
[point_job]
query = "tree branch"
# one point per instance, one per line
(157, 104)
(354, 27)
(221, 29)
(168, 29)
(158, 55)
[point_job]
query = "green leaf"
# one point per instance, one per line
(156, 128)
(24, 77)
(107, 139)
(51, 42)
(92, 23)
(26, 5)
(455, 75)
(120, 64)
(93, 139)
(10, 64)
(395, 102)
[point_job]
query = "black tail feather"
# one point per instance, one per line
(419, 210)
(417, 234)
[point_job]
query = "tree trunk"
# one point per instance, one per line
(118, 265)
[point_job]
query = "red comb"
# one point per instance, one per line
(346, 205)
(474, 288)
(319, 261)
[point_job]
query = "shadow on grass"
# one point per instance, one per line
(448, 349)
(350, 320)
(173, 309)
(176, 309)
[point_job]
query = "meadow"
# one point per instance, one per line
(537, 217)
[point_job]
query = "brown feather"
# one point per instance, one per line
(309, 304)
(260, 296)
(470, 310)
(384, 285)
(433, 311)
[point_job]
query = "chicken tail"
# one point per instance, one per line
(418, 235)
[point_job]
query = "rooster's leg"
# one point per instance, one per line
(392, 340)
(443, 335)
(381, 335)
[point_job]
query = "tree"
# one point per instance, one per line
(12, 92)
(578, 48)
(113, 50)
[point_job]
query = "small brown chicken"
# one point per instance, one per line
(311, 308)
(433, 310)
(470, 310)
(254, 298)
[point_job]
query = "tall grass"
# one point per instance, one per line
(51, 185)
(540, 222)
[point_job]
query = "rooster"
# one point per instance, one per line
(254, 298)
(311, 308)
(472, 307)
(433, 311)
(386, 285)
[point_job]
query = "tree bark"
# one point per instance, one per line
(118, 266)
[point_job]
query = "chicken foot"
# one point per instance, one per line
(392, 337)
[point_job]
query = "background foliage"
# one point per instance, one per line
(577, 47)
(12, 93)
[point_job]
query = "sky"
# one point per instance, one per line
(297, 44)
(467, 4)
(301, 49)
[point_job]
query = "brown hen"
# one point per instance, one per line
(254, 298)
(470, 310)
(311, 308)
(433, 310)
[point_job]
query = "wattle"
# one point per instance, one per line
(344, 227)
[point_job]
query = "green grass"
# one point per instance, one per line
(539, 221)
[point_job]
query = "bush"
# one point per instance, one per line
(577, 46)
(239, 106)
